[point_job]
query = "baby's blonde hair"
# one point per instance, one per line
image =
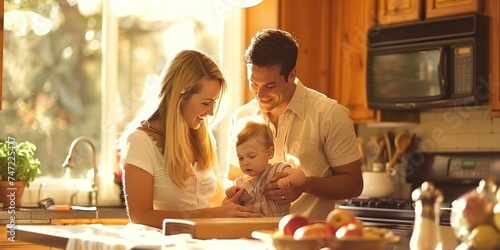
(253, 129)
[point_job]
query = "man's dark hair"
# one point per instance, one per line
(271, 47)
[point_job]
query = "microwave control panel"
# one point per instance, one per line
(463, 69)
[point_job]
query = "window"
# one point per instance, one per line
(83, 68)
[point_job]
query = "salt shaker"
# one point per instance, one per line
(426, 235)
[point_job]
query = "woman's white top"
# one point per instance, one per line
(141, 151)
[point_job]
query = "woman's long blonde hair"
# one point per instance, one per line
(181, 79)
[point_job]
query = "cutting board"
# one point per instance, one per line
(219, 228)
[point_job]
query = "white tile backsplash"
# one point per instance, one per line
(489, 141)
(480, 125)
(495, 125)
(468, 141)
(454, 129)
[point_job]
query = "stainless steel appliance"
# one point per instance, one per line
(453, 173)
(428, 64)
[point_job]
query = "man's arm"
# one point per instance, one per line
(346, 182)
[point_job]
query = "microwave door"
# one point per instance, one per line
(442, 69)
(402, 76)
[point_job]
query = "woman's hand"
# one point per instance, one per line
(281, 196)
(231, 208)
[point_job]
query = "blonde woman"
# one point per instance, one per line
(169, 157)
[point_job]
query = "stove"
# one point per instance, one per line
(452, 173)
(391, 211)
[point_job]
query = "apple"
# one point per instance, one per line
(338, 218)
(315, 229)
(291, 222)
(349, 230)
(474, 210)
(358, 222)
(483, 237)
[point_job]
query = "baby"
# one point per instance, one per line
(255, 147)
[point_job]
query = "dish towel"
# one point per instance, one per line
(99, 237)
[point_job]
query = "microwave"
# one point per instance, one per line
(428, 64)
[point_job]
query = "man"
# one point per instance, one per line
(311, 131)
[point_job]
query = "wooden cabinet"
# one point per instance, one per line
(347, 52)
(492, 9)
(398, 11)
(404, 11)
(443, 8)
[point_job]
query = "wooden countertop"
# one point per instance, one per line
(58, 236)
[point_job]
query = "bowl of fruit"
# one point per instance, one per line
(475, 217)
(340, 230)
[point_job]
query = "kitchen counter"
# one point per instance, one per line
(93, 235)
(59, 236)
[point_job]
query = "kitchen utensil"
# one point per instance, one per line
(377, 184)
(361, 148)
(402, 141)
(382, 150)
(371, 151)
(388, 145)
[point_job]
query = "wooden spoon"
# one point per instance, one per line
(388, 145)
(402, 141)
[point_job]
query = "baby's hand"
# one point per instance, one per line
(230, 192)
(284, 183)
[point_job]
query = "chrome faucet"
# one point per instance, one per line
(93, 194)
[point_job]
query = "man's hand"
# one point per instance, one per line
(273, 192)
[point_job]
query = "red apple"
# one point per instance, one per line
(291, 222)
(338, 218)
(474, 209)
(350, 230)
(316, 230)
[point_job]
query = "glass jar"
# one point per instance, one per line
(475, 216)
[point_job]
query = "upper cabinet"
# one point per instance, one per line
(492, 9)
(403, 11)
(444, 8)
(398, 11)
